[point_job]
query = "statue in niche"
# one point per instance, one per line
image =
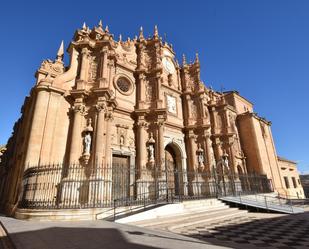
(200, 156)
(151, 153)
(121, 140)
(151, 143)
(225, 162)
(201, 159)
(87, 143)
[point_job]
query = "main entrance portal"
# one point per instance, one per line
(171, 166)
(121, 176)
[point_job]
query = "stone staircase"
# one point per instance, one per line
(185, 214)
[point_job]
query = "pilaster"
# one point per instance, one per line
(101, 109)
(84, 69)
(103, 81)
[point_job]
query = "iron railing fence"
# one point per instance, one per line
(76, 186)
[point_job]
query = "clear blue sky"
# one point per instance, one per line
(260, 48)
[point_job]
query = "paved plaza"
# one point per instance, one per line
(254, 230)
(251, 230)
(92, 235)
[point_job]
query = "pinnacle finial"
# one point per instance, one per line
(106, 29)
(141, 34)
(196, 58)
(100, 24)
(156, 32)
(60, 52)
(84, 26)
(120, 38)
(184, 62)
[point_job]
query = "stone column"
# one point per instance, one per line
(143, 182)
(161, 156)
(207, 155)
(158, 91)
(193, 163)
(103, 68)
(76, 138)
(99, 140)
(70, 189)
(232, 165)
(142, 150)
(188, 103)
(108, 152)
(141, 91)
(37, 128)
(85, 64)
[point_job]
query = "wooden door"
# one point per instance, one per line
(121, 177)
(170, 167)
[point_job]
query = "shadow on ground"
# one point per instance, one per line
(73, 238)
(284, 232)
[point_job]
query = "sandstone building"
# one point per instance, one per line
(129, 106)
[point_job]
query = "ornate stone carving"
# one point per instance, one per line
(142, 123)
(52, 67)
(193, 110)
(122, 131)
(131, 142)
(171, 104)
(109, 115)
(93, 68)
(149, 90)
(101, 107)
(80, 108)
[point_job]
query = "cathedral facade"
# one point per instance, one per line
(129, 103)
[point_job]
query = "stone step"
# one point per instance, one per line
(208, 202)
(206, 219)
(203, 207)
(181, 217)
(197, 210)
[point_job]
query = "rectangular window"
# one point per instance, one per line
(294, 182)
(286, 181)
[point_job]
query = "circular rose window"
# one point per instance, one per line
(124, 85)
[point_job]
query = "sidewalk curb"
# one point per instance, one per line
(5, 239)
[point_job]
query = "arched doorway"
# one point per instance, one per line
(242, 178)
(173, 169)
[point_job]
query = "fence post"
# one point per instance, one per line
(180, 188)
(114, 209)
(144, 200)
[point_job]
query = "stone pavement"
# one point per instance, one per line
(242, 230)
(92, 235)
(254, 231)
(251, 230)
